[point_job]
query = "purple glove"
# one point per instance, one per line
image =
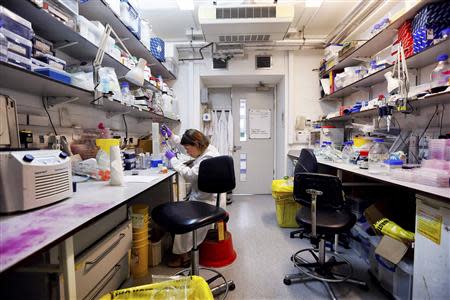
(170, 154)
(165, 131)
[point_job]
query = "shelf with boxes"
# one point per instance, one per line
(45, 86)
(64, 38)
(34, 83)
(419, 60)
(427, 100)
(378, 42)
(102, 11)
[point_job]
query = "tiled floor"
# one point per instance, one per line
(264, 251)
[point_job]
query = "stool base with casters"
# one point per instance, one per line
(223, 288)
(313, 266)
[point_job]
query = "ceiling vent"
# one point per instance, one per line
(250, 12)
(245, 24)
(263, 61)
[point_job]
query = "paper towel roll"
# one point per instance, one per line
(116, 166)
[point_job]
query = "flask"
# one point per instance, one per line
(378, 153)
(347, 152)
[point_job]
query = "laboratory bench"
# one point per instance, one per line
(426, 210)
(23, 235)
(344, 167)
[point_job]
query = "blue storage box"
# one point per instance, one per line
(15, 23)
(18, 60)
(36, 64)
(157, 48)
(428, 23)
(54, 74)
(17, 44)
(52, 61)
(130, 17)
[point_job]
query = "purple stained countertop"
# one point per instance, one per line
(24, 234)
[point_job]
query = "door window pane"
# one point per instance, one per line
(243, 120)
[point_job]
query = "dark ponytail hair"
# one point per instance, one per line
(193, 137)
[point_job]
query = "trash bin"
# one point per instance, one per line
(189, 288)
(285, 205)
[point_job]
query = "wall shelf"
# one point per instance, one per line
(429, 100)
(20, 79)
(69, 41)
(99, 10)
(380, 41)
(44, 86)
(416, 61)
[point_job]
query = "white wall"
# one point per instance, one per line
(71, 125)
(297, 91)
(305, 90)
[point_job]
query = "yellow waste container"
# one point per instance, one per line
(285, 205)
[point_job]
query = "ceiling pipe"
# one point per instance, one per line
(342, 28)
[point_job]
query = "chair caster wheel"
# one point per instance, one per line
(232, 286)
(287, 281)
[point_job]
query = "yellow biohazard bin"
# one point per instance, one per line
(190, 288)
(286, 207)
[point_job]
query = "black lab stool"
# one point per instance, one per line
(216, 175)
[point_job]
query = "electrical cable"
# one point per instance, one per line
(401, 137)
(126, 129)
(442, 119)
(429, 122)
(48, 114)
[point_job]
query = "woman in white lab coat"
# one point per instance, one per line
(197, 146)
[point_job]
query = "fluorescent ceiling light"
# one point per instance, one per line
(313, 3)
(186, 4)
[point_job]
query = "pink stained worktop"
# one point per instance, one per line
(24, 234)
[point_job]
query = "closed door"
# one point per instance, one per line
(253, 140)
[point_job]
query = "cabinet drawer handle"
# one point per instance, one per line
(90, 264)
(106, 281)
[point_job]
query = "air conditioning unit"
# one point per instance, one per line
(228, 50)
(245, 24)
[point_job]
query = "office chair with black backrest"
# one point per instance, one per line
(306, 163)
(216, 175)
(324, 213)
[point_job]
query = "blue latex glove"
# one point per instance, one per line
(170, 154)
(165, 131)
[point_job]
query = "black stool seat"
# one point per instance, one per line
(328, 221)
(186, 216)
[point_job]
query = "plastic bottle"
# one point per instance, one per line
(126, 95)
(347, 152)
(440, 75)
(3, 48)
(378, 153)
(317, 149)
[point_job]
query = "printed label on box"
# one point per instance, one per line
(429, 225)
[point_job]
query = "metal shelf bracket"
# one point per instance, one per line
(361, 88)
(54, 101)
(110, 115)
(63, 45)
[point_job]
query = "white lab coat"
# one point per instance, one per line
(213, 130)
(222, 135)
(183, 242)
(230, 134)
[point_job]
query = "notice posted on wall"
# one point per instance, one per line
(260, 123)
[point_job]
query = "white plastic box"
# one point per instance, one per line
(114, 5)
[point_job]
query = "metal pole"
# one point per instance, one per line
(195, 257)
(67, 264)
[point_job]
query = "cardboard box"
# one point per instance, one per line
(389, 248)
